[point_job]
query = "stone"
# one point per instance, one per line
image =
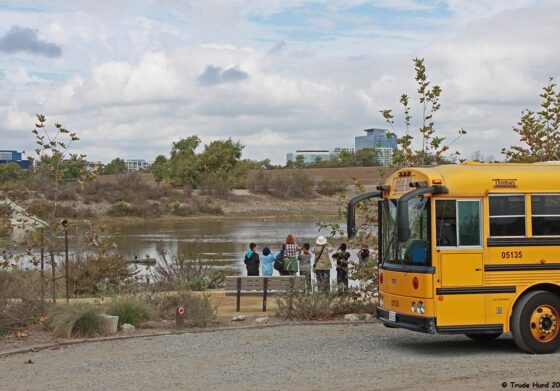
(262, 320)
(365, 316)
(127, 327)
(238, 318)
(351, 317)
(110, 323)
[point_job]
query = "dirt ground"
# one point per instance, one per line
(321, 357)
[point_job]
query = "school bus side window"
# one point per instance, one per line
(545, 214)
(507, 215)
(458, 223)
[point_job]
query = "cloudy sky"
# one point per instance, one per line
(133, 76)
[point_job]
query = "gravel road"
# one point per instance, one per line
(364, 357)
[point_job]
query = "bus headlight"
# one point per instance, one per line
(421, 308)
(413, 306)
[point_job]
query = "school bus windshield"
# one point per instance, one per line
(416, 250)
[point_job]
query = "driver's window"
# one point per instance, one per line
(458, 223)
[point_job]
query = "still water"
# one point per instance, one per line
(217, 243)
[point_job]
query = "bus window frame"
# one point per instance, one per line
(508, 216)
(534, 215)
(480, 224)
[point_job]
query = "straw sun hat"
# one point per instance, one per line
(321, 240)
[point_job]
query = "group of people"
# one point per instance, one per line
(292, 258)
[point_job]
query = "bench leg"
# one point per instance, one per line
(265, 293)
(238, 294)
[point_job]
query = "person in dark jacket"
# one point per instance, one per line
(252, 260)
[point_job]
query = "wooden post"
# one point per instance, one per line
(265, 293)
(180, 317)
(67, 267)
(42, 271)
(53, 283)
(238, 294)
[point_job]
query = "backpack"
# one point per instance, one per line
(279, 261)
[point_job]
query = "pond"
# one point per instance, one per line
(217, 243)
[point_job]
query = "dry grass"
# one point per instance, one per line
(77, 320)
(20, 303)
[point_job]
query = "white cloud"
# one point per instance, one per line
(132, 77)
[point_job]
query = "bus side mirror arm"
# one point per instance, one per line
(351, 210)
(403, 223)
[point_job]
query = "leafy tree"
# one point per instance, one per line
(539, 131)
(183, 163)
(160, 168)
(299, 162)
(432, 146)
(115, 166)
(10, 172)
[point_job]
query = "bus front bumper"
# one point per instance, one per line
(410, 322)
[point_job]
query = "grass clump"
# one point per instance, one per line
(131, 311)
(20, 303)
(199, 309)
(78, 320)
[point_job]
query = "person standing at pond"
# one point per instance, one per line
(252, 260)
(304, 259)
(267, 262)
(342, 258)
(322, 264)
(291, 250)
(364, 256)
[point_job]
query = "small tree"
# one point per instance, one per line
(432, 146)
(60, 171)
(115, 166)
(539, 131)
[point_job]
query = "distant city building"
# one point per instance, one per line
(310, 156)
(13, 157)
(378, 140)
(137, 164)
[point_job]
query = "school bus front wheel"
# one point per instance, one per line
(535, 323)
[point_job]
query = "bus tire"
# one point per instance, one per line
(389, 326)
(535, 322)
(484, 337)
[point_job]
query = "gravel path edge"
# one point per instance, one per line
(37, 348)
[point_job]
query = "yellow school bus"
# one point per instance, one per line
(471, 249)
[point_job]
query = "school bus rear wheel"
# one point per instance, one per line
(535, 322)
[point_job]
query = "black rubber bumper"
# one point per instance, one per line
(410, 322)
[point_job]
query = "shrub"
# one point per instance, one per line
(78, 320)
(97, 273)
(20, 303)
(199, 309)
(305, 306)
(314, 306)
(259, 183)
(290, 184)
(328, 187)
(131, 311)
(216, 186)
(186, 273)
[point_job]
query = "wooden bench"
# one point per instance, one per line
(262, 286)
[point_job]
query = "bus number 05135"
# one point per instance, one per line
(512, 254)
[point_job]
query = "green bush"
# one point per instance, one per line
(131, 311)
(78, 320)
